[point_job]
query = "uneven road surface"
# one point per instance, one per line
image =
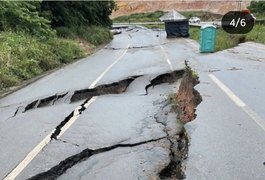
(91, 119)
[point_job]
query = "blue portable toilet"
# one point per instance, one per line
(207, 38)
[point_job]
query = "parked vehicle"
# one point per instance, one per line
(194, 20)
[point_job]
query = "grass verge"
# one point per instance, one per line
(225, 40)
(154, 16)
(203, 15)
(23, 56)
(140, 17)
(95, 35)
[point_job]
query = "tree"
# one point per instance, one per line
(23, 16)
(78, 13)
(257, 6)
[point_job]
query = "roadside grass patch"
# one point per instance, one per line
(155, 26)
(95, 35)
(257, 34)
(140, 17)
(203, 15)
(23, 56)
(154, 16)
(223, 39)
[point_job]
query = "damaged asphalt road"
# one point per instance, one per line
(93, 119)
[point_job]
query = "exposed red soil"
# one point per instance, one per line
(138, 6)
(188, 98)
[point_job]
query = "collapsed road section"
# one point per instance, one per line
(112, 88)
(184, 104)
(177, 139)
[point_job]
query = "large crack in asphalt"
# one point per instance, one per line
(62, 167)
(178, 147)
(186, 101)
(169, 77)
(137, 47)
(112, 88)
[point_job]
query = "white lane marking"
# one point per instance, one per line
(108, 68)
(252, 114)
(19, 168)
(229, 93)
(75, 117)
(255, 117)
(167, 59)
(23, 164)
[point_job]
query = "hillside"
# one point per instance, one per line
(219, 7)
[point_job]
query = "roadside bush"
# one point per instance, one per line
(66, 50)
(24, 16)
(66, 32)
(23, 56)
(95, 35)
(223, 39)
(257, 34)
(257, 6)
(141, 17)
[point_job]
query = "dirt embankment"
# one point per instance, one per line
(188, 98)
(137, 6)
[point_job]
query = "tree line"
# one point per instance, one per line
(257, 6)
(41, 17)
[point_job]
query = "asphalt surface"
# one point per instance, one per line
(226, 138)
(126, 118)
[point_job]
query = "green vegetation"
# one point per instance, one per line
(257, 34)
(24, 56)
(258, 9)
(155, 26)
(154, 16)
(141, 17)
(225, 40)
(95, 35)
(23, 16)
(204, 16)
(42, 35)
(78, 13)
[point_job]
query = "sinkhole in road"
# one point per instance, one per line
(186, 101)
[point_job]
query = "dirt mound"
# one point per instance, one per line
(137, 6)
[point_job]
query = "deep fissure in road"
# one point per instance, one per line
(60, 169)
(169, 77)
(137, 47)
(187, 100)
(185, 103)
(112, 88)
